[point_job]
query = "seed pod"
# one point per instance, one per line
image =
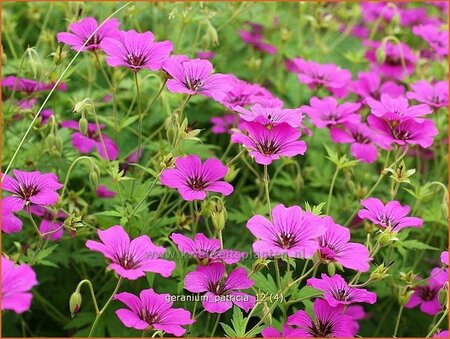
(83, 125)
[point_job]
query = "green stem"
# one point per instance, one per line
(435, 327)
(277, 272)
(91, 289)
(330, 192)
(215, 326)
(69, 172)
(397, 323)
(266, 180)
(100, 313)
(145, 196)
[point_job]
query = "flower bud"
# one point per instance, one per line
(75, 303)
(380, 54)
(218, 215)
(259, 264)
(231, 174)
(331, 269)
(380, 273)
(83, 125)
(211, 35)
(386, 237)
(443, 295)
(34, 61)
(82, 106)
(168, 161)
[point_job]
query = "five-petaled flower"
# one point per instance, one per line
(152, 311)
(130, 259)
(391, 215)
(269, 144)
(293, 232)
(136, 51)
(193, 179)
(328, 322)
(205, 250)
(337, 292)
(30, 188)
(195, 77)
(221, 292)
(82, 34)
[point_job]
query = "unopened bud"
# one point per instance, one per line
(331, 269)
(380, 54)
(232, 173)
(259, 264)
(168, 161)
(404, 296)
(443, 295)
(387, 236)
(218, 215)
(83, 125)
(75, 303)
(379, 273)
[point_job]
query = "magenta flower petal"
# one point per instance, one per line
(131, 259)
(17, 281)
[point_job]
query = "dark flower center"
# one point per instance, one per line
(286, 240)
(218, 288)
(136, 60)
(27, 191)
(127, 262)
(361, 139)
(386, 221)
(342, 294)
(393, 60)
(95, 40)
(197, 184)
(194, 84)
(149, 318)
(321, 330)
(426, 293)
(268, 147)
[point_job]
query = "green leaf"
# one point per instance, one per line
(238, 322)
(416, 244)
(229, 331)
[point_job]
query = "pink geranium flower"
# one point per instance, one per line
(271, 116)
(444, 257)
(29, 86)
(335, 247)
(356, 312)
(17, 282)
(83, 29)
(328, 112)
(30, 188)
(221, 292)
(432, 94)
(392, 67)
(269, 144)
(223, 124)
(245, 94)
(397, 106)
(193, 179)
(104, 192)
(315, 75)
(254, 38)
(327, 322)
(293, 232)
(337, 292)
(131, 259)
(195, 77)
(205, 250)
(371, 11)
(369, 85)
(440, 333)
(427, 297)
(391, 215)
(403, 131)
(152, 311)
(10, 223)
(51, 226)
(136, 51)
(436, 38)
(364, 141)
(287, 332)
(86, 143)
